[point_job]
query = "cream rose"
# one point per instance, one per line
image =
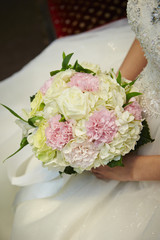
(55, 90)
(73, 103)
(93, 67)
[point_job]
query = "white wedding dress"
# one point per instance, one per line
(80, 207)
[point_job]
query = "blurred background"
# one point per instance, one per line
(29, 26)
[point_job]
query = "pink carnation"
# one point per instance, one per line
(58, 133)
(46, 85)
(85, 81)
(101, 127)
(135, 109)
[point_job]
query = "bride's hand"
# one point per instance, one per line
(117, 173)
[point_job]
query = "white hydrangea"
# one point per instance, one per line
(50, 110)
(111, 92)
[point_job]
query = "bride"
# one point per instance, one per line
(118, 203)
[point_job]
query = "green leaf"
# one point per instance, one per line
(111, 75)
(132, 94)
(62, 118)
(66, 61)
(42, 105)
(78, 68)
(63, 55)
(124, 85)
(119, 78)
(68, 170)
(54, 72)
(23, 143)
(132, 82)
(126, 104)
(32, 121)
(145, 136)
(14, 113)
(114, 163)
(75, 65)
(32, 98)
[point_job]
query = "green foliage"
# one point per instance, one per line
(78, 68)
(119, 79)
(65, 65)
(68, 170)
(126, 104)
(12, 112)
(66, 59)
(115, 163)
(33, 121)
(144, 136)
(54, 72)
(32, 98)
(132, 94)
(132, 83)
(23, 143)
(122, 83)
(62, 118)
(42, 105)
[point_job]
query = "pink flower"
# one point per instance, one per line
(46, 85)
(58, 133)
(135, 109)
(80, 154)
(101, 127)
(85, 81)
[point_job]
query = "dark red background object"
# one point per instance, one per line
(75, 16)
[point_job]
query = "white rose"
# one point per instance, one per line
(73, 103)
(93, 67)
(65, 75)
(58, 85)
(55, 90)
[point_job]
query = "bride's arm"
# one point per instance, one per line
(134, 62)
(146, 168)
(137, 168)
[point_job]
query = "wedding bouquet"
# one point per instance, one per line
(82, 118)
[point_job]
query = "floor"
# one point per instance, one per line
(26, 29)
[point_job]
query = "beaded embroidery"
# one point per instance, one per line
(156, 13)
(148, 33)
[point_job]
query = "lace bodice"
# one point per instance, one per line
(144, 17)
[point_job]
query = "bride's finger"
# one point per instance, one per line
(100, 176)
(94, 170)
